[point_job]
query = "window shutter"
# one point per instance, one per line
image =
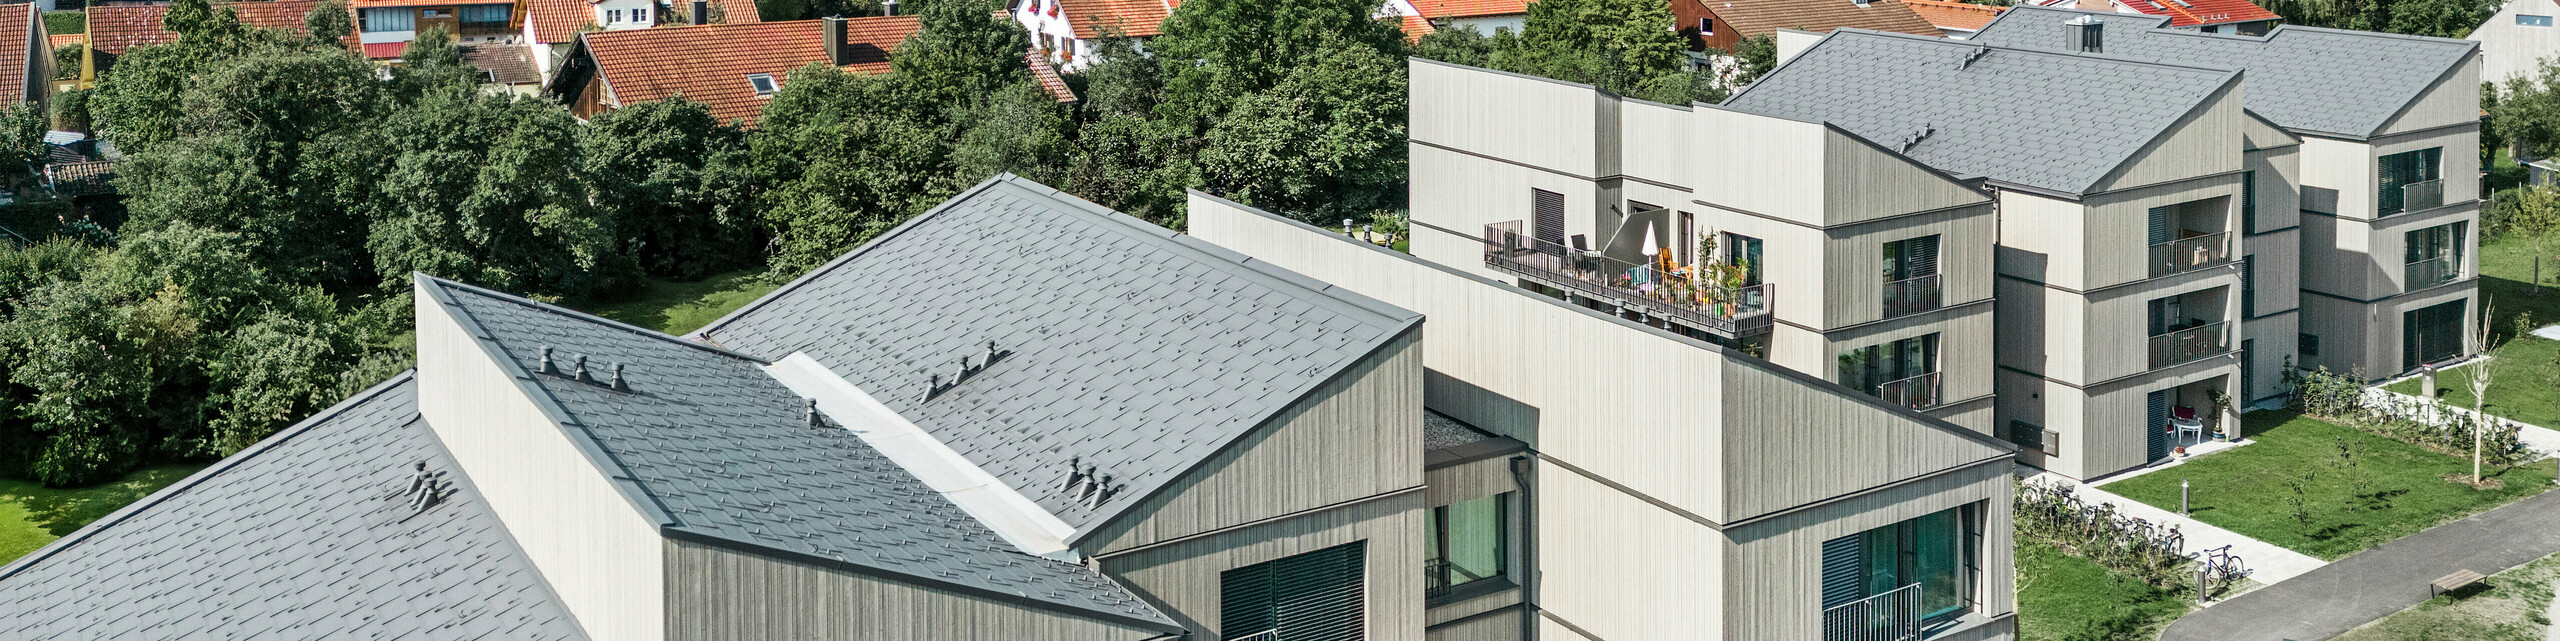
(1840, 575)
(2249, 202)
(1316, 596)
(1548, 226)
(2159, 224)
(2248, 287)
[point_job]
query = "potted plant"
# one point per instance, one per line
(2221, 402)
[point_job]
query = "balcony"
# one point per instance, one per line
(2190, 254)
(2419, 196)
(1911, 296)
(1892, 616)
(1671, 293)
(2185, 345)
(1917, 392)
(2430, 272)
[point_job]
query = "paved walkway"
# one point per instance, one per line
(2375, 583)
(2536, 437)
(2268, 563)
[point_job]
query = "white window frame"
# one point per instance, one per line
(763, 84)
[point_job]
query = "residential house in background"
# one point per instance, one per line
(25, 52)
(733, 68)
(1958, 19)
(2388, 228)
(506, 67)
(116, 28)
(2205, 16)
(386, 26)
(1658, 486)
(2515, 41)
(1721, 24)
(1068, 30)
(1199, 446)
(1484, 16)
(551, 27)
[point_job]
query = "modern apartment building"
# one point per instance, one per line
(1661, 486)
(2389, 194)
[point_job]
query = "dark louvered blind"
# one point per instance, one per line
(2249, 202)
(2248, 287)
(1840, 574)
(1547, 209)
(1309, 597)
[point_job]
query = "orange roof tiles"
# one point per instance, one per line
(117, 28)
(1047, 77)
(1133, 18)
(14, 30)
(2192, 13)
(1954, 15)
(1756, 17)
(1414, 27)
(709, 64)
(1445, 9)
(557, 21)
(58, 40)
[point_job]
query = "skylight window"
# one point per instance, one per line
(763, 82)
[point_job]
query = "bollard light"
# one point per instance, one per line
(2182, 497)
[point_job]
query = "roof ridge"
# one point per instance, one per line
(200, 476)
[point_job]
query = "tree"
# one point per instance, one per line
(845, 157)
(71, 110)
(329, 24)
(677, 182)
(1125, 158)
(22, 128)
(1217, 52)
(277, 369)
(1756, 55)
(66, 61)
(1022, 131)
(1323, 144)
(486, 189)
(963, 54)
(2438, 18)
(2532, 214)
(1455, 45)
(2479, 376)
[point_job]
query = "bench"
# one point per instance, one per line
(2459, 579)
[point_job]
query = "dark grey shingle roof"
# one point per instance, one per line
(1886, 87)
(726, 451)
(1142, 351)
(296, 538)
(2310, 79)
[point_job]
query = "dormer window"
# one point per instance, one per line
(763, 84)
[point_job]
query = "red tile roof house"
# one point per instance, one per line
(550, 27)
(2209, 16)
(733, 68)
(1068, 30)
(115, 29)
(25, 52)
(1485, 16)
(1958, 19)
(1721, 24)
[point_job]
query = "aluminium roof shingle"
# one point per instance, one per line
(1887, 88)
(2307, 79)
(1135, 349)
(302, 537)
(728, 453)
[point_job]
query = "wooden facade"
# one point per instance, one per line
(717, 594)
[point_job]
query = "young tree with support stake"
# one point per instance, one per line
(2479, 377)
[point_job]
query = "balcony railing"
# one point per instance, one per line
(2431, 272)
(2420, 196)
(2184, 345)
(1911, 296)
(1892, 616)
(2189, 254)
(1917, 392)
(1265, 635)
(1646, 289)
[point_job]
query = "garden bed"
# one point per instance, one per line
(2292, 488)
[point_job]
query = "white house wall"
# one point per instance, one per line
(596, 551)
(2508, 49)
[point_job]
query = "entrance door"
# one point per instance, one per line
(2430, 334)
(2159, 425)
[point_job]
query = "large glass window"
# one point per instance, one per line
(484, 13)
(2409, 181)
(1745, 251)
(1934, 552)
(1316, 596)
(2434, 255)
(1897, 371)
(1466, 542)
(392, 19)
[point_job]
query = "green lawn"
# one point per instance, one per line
(32, 515)
(2509, 606)
(2524, 389)
(2066, 597)
(2247, 490)
(679, 307)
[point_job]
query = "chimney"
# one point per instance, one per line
(2087, 33)
(701, 12)
(888, 7)
(837, 52)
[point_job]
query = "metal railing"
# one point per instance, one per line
(2429, 272)
(2420, 196)
(2188, 344)
(1645, 289)
(1892, 616)
(1911, 295)
(1917, 392)
(1265, 635)
(2189, 254)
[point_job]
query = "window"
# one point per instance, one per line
(1934, 554)
(1464, 543)
(2249, 202)
(2533, 21)
(394, 19)
(2308, 345)
(1745, 251)
(1898, 371)
(2409, 181)
(1706, 26)
(2248, 287)
(1910, 276)
(2028, 437)
(640, 15)
(2211, 29)
(2434, 256)
(2431, 334)
(612, 16)
(1546, 223)
(1315, 596)
(484, 13)
(763, 83)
